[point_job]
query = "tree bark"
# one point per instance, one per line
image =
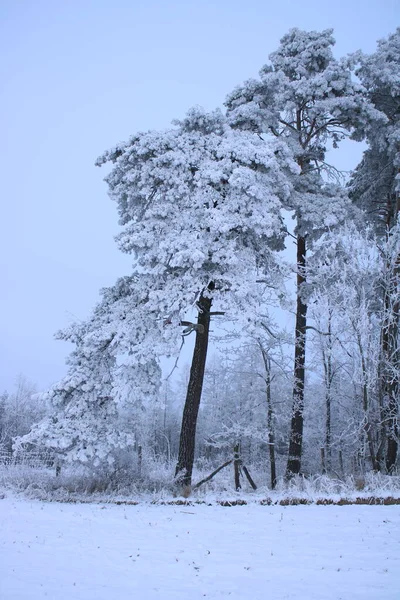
(184, 467)
(297, 420)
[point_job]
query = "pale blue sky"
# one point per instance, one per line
(79, 76)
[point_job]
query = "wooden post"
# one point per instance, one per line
(249, 478)
(236, 465)
(228, 462)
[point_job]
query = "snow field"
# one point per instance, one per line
(148, 552)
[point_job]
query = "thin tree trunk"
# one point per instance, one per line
(323, 464)
(271, 433)
(140, 460)
(392, 389)
(341, 465)
(297, 420)
(270, 417)
(367, 425)
(328, 397)
(391, 370)
(236, 465)
(380, 453)
(328, 443)
(368, 431)
(271, 440)
(390, 349)
(184, 467)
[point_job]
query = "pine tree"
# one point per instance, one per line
(308, 99)
(82, 424)
(200, 206)
(376, 188)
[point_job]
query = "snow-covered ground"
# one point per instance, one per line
(146, 552)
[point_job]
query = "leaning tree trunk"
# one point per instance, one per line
(184, 467)
(296, 425)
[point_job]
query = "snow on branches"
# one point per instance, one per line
(200, 202)
(82, 423)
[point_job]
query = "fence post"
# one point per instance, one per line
(236, 466)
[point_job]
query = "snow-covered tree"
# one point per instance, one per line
(308, 99)
(82, 424)
(200, 206)
(375, 183)
(203, 207)
(344, 275)
(376, 188)
(19, 410)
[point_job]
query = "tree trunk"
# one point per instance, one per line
(236, 466)
(365, 400)
(140, 460)
(271, 440)
(392, 391)
(328, 442)
(391, 367)
(249, 477)
(270, 421)
(296, 426)
(328, 397)
(341, 464)
(390, 350)
(270, 417)
(323, 463)
(184, 467)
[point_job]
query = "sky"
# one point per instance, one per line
(77, 77)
